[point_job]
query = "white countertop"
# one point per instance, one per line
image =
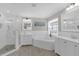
(66, 38)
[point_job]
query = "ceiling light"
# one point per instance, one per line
(72, 6)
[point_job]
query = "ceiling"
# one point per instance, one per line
(38, 10)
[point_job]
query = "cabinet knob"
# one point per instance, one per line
(75, 45)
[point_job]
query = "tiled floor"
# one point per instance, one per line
(6, 49)
(32, 51)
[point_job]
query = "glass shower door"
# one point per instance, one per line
(7, 37)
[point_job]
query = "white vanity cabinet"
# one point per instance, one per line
(69, 48)
(59, 46)
(66, 48)
(26, 38)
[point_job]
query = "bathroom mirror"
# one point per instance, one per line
(70, 25)
(70, 20)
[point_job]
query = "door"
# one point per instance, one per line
(76, 50)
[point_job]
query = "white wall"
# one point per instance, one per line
(40, 33)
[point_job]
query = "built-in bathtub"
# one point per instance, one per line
(45, 44)
(41, 39)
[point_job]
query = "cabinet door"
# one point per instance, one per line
(76, 45)
(59, 46)
(69, 48)
(64, 47)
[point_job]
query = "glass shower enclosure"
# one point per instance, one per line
(9, 31)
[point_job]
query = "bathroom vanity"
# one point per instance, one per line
(65, 46)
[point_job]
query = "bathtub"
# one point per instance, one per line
(41, 39)
(45, 44)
